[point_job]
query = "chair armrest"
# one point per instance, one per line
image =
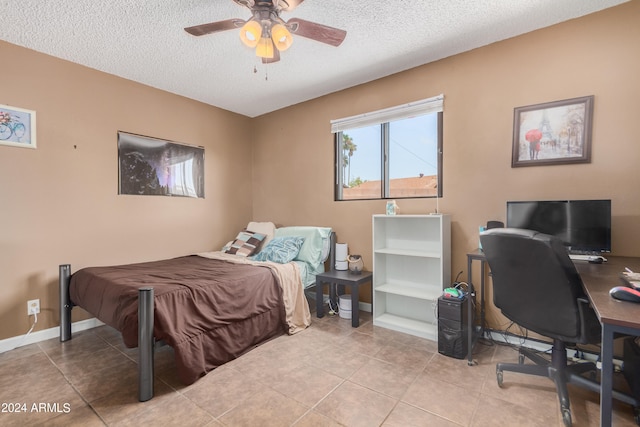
(591, 331)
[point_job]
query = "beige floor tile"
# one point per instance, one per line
(222, 390)
(267, 408)
(359, 342)
(266, 366)
(76, 365)
(102, 382)
(386, 378)
(404, 415)
(585, 409)
(109, 334)
(458, 372)
(442, 398)
(328, 375)
(492, 412)
(354, 405)
(123, 404)
(306, 384)
(331, 329)
(505, 353)
(83, 416)
(19, 353)
(483, 352)
(47, 397)
(21, 379)
(336, 360)
(404, 355)
(84, 342)
(177, 411)
(313, 419)
(370, 329)
(521, 389)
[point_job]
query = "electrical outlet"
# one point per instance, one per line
(33, 306)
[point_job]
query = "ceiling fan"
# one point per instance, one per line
(267, 32)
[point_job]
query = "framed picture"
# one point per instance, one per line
(554, 133)
(17, 127)
(151, 166)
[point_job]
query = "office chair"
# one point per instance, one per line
(494, 224)
(537, 286)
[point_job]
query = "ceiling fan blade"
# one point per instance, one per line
(276, 57)
(288, 5)
(317, 32)
(214, 27)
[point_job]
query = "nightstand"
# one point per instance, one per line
(342, 278)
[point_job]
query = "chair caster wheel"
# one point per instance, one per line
(566, 417)
(499, 377)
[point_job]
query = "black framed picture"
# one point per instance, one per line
(151, 166)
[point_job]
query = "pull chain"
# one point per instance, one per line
(266, 74)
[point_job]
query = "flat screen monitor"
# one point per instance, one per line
(583, 225)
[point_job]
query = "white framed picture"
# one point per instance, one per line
(17, 127)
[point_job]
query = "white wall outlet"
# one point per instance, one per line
(33, 306)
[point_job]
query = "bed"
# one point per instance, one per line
(210, 307)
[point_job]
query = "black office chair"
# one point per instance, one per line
(494, 224)
(537, 286)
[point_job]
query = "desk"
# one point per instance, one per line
(342, 278)
(615, 316)
(476, 255)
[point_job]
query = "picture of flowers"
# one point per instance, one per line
(553, 133)
(17, 127)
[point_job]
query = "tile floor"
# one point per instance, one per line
(328, 375)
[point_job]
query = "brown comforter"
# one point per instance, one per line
(209, 310)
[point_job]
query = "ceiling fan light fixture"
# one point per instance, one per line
(281, 37)
(265, 48)
(251, 33)
(267, 33)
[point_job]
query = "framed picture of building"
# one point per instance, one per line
(553, 133)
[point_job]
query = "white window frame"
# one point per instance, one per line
(383, 117)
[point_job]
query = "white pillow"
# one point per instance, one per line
(266, 228)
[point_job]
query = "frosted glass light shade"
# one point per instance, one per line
(281, 37)
(265, 48)
(251, 33)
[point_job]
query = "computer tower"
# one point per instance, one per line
(453, 331)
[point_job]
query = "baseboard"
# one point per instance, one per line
(365, 306)
(46, 334)
(514, 340)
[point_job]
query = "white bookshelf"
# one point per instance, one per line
(411, 267)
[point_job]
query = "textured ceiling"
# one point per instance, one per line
(144, 41)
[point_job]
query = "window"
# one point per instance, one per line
(390, 154)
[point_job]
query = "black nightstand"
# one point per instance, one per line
(342, 278)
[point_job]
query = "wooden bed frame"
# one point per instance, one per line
(146, 341)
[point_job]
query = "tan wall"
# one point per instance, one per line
(59, 204)
(595, 55)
